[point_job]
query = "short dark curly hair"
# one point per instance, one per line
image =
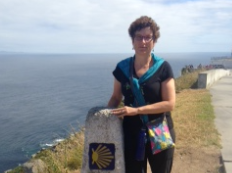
(143, 22)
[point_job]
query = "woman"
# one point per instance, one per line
(158, 90)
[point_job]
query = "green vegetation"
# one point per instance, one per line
(194, 119)
(18, 169)
(194, 125)
(186, 81)
(194, 114)
(66, 156)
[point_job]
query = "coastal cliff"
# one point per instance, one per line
(66, 156)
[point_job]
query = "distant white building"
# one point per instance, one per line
(222, 61)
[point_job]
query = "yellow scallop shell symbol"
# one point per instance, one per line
(102, 156)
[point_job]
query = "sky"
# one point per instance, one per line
(101, 26)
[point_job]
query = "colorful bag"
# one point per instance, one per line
(158, 131)
(159, 135)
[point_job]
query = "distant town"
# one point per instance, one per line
(224, 61)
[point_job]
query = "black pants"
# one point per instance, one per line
(159, 163)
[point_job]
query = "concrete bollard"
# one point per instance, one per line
(103, 148)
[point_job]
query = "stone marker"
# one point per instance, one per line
(103, 148)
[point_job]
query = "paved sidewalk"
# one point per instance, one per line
(222, 101)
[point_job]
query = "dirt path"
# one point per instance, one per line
(198, 160)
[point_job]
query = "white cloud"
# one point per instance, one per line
(90, 26)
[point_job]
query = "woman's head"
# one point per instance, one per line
(144, 22)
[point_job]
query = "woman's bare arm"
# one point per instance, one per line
(167, 104)
(116, 97)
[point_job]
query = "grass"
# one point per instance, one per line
(193, 119)
(66, 156)
(194, 115)
(18, 169)
(189, 80)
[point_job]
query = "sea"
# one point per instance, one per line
(46, 97)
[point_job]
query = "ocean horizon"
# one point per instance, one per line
(43, 97)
